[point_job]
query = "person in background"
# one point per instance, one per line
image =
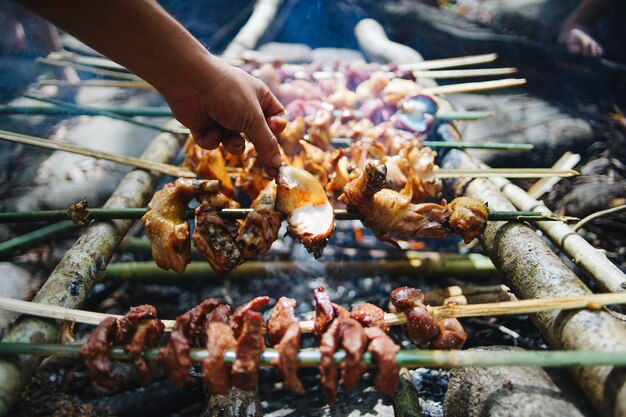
(216, 101)
(576, 31)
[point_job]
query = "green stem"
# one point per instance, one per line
(85, 111)
(310, 358)
(241, 213)
(36, 236)
(112, 115)
(464, 115)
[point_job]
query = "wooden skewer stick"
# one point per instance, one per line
(505, 172)
(92, 61)
(591, 301)
(69, 147)
(464, 73)
(475, 86)
(448, 62)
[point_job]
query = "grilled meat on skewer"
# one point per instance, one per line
(310, 215)
(283, 331)
(166, 224)
(209, 165)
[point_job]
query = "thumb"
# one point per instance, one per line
(265, 144)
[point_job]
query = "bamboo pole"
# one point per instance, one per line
(590, 260)
(568, 160)
(250, 34)
(588, 301)
(73, 278)
(408, 358)
(174, 129)
(166, 169)
(427, 264)
(532, 270)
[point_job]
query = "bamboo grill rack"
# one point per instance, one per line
(89, 256)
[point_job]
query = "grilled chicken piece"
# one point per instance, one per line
(469, 217)
(290, 138)
(421, 169)
(397, 166)
(319, 128)
(215, 238)
(390, 214)
(260, 228)
(302, 199)
(316, 161)
(283, 330)
(252, 180)
(340, 175)
(372, 87)
(166, 224)
(397, 89)
(209, 165)
(367, 150)
(343, 97)
(421, 327)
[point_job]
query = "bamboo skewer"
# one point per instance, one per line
(173, 131)
(448, 62)
(70, 147)
(238, 213)
(475, 86)
(591, 301)
(183, 172)
(409, 358)
(92, 61)
(464, 73)
(505, 172)
(91, 69)
(345, 142)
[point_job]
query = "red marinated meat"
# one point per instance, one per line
(175, 355)
(452, 335)
(324, 313)
(403, 298)
(283, 316)
(354, 342)
(370, 315)
(384, 351)
(245, 370)
(215, 371)
(328, 366)
(288, 359)
(95, 353)
(236, 321)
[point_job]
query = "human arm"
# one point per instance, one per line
(210, 97)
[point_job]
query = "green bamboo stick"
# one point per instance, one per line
(473, 265)
(85, 111)
(112, 115)
(345, 142)
(30, 239)
(310, 358)
(241, 213)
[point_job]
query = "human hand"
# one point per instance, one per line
(235, 103)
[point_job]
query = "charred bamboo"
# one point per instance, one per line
(78, 271)
(532, 270)
(593, 262)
